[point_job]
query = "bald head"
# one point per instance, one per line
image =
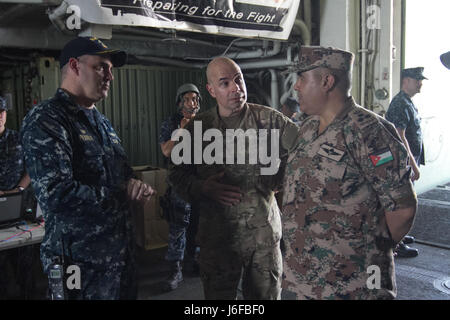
(226, 84)
(219, 64)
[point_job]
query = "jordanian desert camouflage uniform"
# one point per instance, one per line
(339, 184)
(244, 237)
(79, 171)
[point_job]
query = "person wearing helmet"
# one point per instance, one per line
(178, 213)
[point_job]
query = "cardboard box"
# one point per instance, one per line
(151, 229)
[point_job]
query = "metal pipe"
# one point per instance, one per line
(307, 9)
(259, 53)
(164, 35)
(303, 28)
(172, 62)
(363, 52)
(274, 89)
(269, 63)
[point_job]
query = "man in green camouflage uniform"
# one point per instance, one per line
(239, 228)
(348, 198)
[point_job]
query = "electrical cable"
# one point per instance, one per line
(20, 233)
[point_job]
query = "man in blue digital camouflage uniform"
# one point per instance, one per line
(13, 179)
(405, 116)
(79, 171)
(182, 220)
(445, 59)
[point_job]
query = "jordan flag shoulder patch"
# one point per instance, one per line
(381, 158)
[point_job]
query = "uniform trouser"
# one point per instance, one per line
(182, 237)
(261, 270)
(176, 242)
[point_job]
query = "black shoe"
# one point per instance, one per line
(403, 251)
(175, 278)
(408, 239)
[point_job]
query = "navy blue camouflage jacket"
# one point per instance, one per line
(79, 173)
(404, 115)
(12, 166)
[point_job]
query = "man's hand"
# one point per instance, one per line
(400, 222)
(223, 193)
(416, 173)
(184, 122)
(139, 191)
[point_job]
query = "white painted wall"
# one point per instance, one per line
(425, 42)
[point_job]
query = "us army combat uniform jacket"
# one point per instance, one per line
(339, 186)
(245, 235)
(221, 225)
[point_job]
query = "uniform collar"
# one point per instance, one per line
(350, 104)
(5, 134)
(69, 104)
(405, 95)
(241, 115)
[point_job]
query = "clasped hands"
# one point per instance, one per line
(225, 194)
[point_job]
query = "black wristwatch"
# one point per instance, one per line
(20, 188)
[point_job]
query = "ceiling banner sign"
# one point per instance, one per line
(242, 18)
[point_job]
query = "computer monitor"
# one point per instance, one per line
(10, 208)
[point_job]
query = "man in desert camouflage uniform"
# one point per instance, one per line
(239, 228)
(83, 182)
(348, 198)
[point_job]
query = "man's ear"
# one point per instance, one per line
(329, 82)
(210, 90)
(73, 65)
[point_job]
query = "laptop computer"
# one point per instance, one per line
(10, 208)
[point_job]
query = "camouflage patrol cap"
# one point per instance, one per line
(312, 57)
(3, 104)
(445, 59)
(415, 73)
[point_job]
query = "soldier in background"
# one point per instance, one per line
(178, 213)
(404, 115)
(13, 176)
(445, 59)
(13, 179)
(80, 173)
(239, 221)
(348, 199)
